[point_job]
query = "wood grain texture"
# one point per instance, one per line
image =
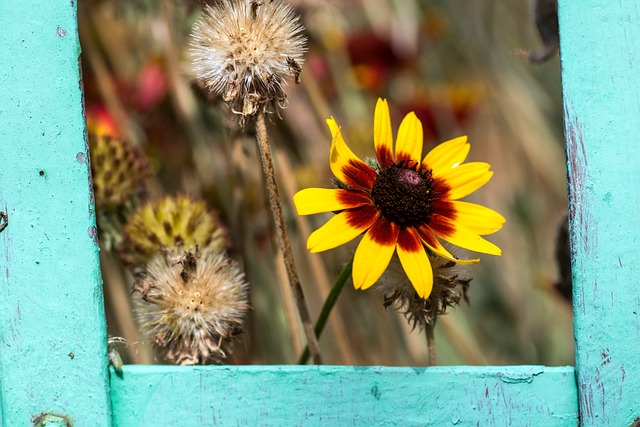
(600, 47)
(343, 396)
(53, 364)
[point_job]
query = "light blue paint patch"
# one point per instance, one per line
(332, 396)
(600, 41)
(50, 268)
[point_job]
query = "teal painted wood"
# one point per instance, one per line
(600, 45)
(53, 364)
(336, 396)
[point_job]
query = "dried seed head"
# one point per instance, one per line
(171, 223)
(449, 288)
(119, 172)
(243, 50)
(191, 309)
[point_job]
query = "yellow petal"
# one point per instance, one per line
(465, 179)
(447, 155)
(371, 259)
(459, 235)
(345, 165)
(416, 265)
(409, 142)
(477, 218)
(316, 200)
(434, 245)
(339, 230)
(382, 133)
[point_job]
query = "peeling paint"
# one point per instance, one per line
(60, 32)
(4, 220)
(514, 379)
(51, 420)
(93, 233)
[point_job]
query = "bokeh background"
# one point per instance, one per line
(461, 66)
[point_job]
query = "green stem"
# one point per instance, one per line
(328, 306)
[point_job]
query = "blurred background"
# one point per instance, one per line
(462, 66)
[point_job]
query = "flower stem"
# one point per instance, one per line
(431, 344)
(332, 298)
(283, 237)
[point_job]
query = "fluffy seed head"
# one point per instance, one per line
(449, 289)
(119, 172)
(243, 50)
(193, 307)
(173, 223)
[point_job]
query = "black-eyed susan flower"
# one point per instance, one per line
(402, 204)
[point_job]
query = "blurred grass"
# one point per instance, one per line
(452, 63)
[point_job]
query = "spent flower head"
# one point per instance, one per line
(191, 305)
(450, 286)
(243, 51)
(402, 204)
(173, 223)
(120, 172)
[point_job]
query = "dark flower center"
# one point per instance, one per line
(404, 193)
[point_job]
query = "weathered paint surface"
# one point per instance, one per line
(344, 396)
(600, 46)
(53, 364)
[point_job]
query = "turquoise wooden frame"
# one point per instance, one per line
(53, 356)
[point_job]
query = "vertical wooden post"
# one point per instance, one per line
(53, 359)
(600, 51)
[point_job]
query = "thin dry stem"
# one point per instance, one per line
(336, 320)
(431, 344)
(283, 237)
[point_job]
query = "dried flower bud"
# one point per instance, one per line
(449, 288)
(119, 172)
(243, 50)
(173, 223)
(191, 309)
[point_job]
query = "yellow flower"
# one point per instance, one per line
(402, 205)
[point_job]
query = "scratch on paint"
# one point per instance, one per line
(586, 406)
(622, 379)
(601, 387)
(581, 229)
(577, 159)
